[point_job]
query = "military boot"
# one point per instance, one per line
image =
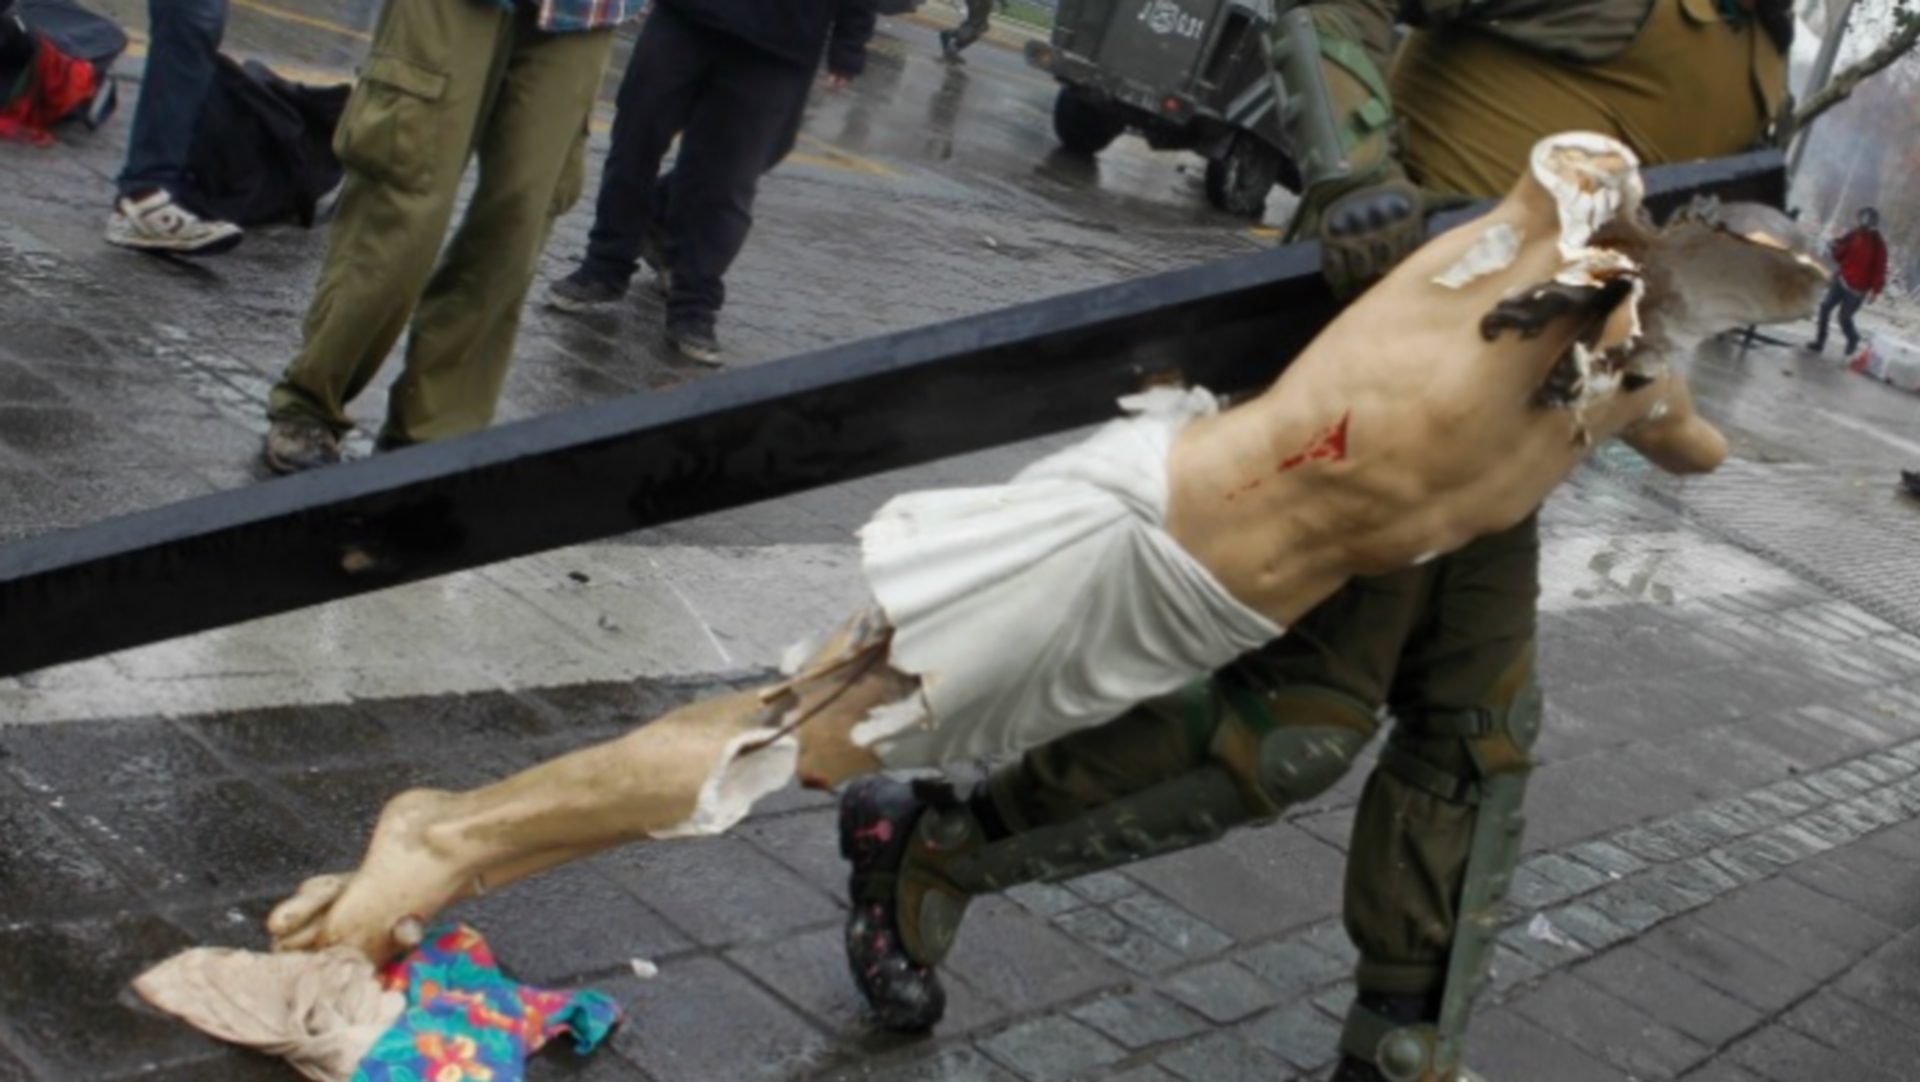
(898, 837)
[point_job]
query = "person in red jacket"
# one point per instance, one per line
(1862, 258)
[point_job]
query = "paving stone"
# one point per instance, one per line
(1639, 903)
(1221, 1057)
(1171, 925)
(1504, 1045)
(1052, 1048)
(1119, 940)
(1864, 879)
(1607, 857)
(1593, 929)
(808, 843)
(46, 870)
(1253, 884)
(87, 1027)
(1511, 969)
(1222, 991)
(948, 1064)
(1784, 1055)
(1016, 960)
(103, 755)
(1144, 1073)
(1140, 1018)
(1696, 881)
(1610, 1029)
(1635, 975)
(230, 1065)
(1735, 968)
(522, 927)
(719, 891)
(224, 835)
(701, 1020)
(1101, 888)
(1807, 930)
(1300, 1033)
(1044, 899)
(300, 736)
(1550, 879)
(1294, 966)
(1869, 1035)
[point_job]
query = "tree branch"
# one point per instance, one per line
(1897, 45)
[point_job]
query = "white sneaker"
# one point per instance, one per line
(155, 223)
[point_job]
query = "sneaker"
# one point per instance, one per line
(1816, 347)
(294, 446)
(950, 48)
(877, 817)
(582, 292)
(155, 223)
(693, 339)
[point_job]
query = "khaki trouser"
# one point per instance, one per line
(447, 80)
(1456, 634)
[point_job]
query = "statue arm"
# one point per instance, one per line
(1679, 440)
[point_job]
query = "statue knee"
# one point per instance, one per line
(1291, 745)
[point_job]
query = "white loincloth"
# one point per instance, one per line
(1049, 604)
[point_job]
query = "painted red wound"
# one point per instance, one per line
(1329, 446)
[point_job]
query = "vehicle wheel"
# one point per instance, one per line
(1239, 180)
(1083, 125)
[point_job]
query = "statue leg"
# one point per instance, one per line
(694, 771)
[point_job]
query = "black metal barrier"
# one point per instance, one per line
(649, 459)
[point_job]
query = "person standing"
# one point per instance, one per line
(970, 30)
(730, 78)
(153, 211)
(1446, 648)
(510, 82)
(1861, 256)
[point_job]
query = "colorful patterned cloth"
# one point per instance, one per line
(562, 16)
(467, 1022)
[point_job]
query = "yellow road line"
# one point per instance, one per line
(304, 20)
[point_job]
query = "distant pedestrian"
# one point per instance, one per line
(509, 81)
(730, 78)
(952, 42)
(1862, 259)
(154, 210)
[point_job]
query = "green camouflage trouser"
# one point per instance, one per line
(1453, 635)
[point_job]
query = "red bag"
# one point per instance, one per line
(59, 87)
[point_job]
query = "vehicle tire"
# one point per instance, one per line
(1083, 125)
(1239, 180)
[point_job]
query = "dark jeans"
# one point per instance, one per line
(1848, 302)
(736, 109)
(184, 38)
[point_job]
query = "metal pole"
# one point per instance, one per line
(1822, 72)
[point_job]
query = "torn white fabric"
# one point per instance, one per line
(1052, 603)
(1493, 252)
(890, 720)
(321, 1011)
(738, 782)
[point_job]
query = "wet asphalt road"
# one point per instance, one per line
(1723, 834)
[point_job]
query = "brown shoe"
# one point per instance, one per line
(296, 445)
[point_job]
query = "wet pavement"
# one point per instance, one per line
(1720, 883)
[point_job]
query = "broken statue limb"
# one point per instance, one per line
(1169, 542)
(725, 441)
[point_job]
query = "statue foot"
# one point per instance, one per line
(382, 908)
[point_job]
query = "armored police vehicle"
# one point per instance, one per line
(1185, 74)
